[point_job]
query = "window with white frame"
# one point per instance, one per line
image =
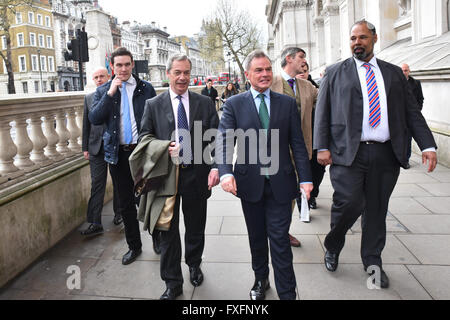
(36, 86)
(49, 42)
(32, 39)
(18, 18)
(39, 20)
(41, 41)
(4, 42)
(22, 64)
(34, 62)
(43, 63)
(51, 64)
(20, 41)
(47, 22)
(31, 17)
(44, 86)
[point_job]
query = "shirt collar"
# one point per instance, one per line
(372, 62)
(255, 93)
(131, 81)
(174, 96)
(285, 75)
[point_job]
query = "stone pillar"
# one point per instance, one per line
(8, 151)
(100, 43)
(39, 142)
(74, 130)
(52, 137)
(332, 31)
(79, 117)
(24, 146)
(63, 134)
(320, 51)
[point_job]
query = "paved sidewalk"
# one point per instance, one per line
(416, 257)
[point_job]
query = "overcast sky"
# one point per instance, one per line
(181, 17)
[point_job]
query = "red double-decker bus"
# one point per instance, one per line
(224, 77)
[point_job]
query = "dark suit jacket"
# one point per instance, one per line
(92, 135)
(159, 120)
(240, 112)
(339, 113)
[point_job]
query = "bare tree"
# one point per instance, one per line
(8, 10)
(238, 32)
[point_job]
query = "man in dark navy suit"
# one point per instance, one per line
(266, 188)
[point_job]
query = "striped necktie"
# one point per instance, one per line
(291, 83)
(374, 97)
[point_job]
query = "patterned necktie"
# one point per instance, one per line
(183, 124)
(126, 118)
(291, 83)
(263, 112)
(374, 97)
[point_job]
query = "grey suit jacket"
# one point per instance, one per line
(92, 135)
(339, 113)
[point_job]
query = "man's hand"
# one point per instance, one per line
(174, 150)
(307, 187)
(86, 155)
(213, 179)
(324, 157)
(229, 185)
(431, 158)
(116, 83)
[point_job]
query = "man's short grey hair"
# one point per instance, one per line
(177, 57)
(369, 25)
(290, 52)
(255, 54)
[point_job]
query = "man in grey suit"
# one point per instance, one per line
(363, 114)
(173, 115)
(92, 146)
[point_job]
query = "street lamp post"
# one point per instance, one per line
(229, 66)
(40, 69)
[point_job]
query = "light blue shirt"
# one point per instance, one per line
(258, 100)
(286, 77)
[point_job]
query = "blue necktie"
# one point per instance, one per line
(126, 119)
(291, 83)
(183, 124)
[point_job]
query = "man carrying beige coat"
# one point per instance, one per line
(292, 60)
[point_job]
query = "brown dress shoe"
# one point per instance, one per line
(294, 241)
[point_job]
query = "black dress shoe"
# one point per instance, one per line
(331, 261)
(312, 203)
(384, 280)
(172, 293)
(156, 237)
(92, 230)
(117, 219)
(258, 291)
(130, 256)
(196, 276)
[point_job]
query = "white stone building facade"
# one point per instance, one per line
(411, 31)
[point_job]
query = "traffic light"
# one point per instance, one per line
(73, 52)
(84, 50)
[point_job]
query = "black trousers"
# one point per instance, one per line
(124, 184)
(99, 173)
(268, 222)
(363, 188)
(194, 212)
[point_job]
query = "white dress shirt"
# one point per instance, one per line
(380, 133)
(131, 86)
(175, 104)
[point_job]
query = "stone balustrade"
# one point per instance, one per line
(37, 131)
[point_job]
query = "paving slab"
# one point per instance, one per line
(311, 250)
(139, 280)
(428, 249)
(392, 225)
(349, 282)
(320, 224)
(230, 281)
(440, 176)
(409, 190)
(224, 208)
(394, 251)
(407, 205)
(416, 177)
(228, 248)
(437, 189)
(17, 294)
(437, 205)
(427, 224)
(435, 279)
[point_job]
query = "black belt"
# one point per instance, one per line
(374, 142)
(127, 147)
